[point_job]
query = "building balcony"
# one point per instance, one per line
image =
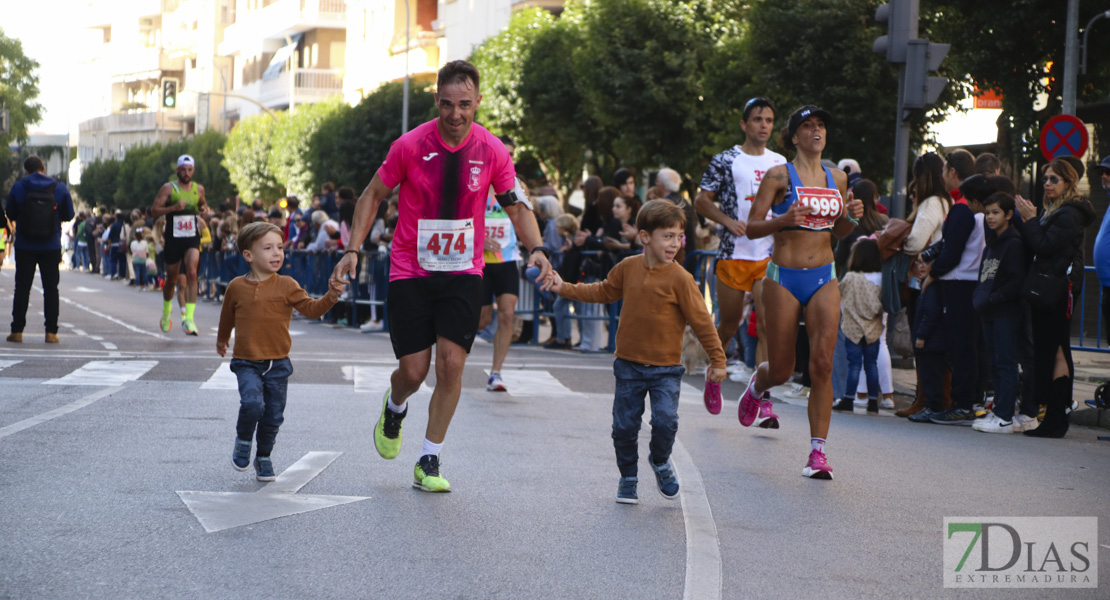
(300, 86)
(284, 17)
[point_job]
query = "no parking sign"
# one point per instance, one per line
(1063, 135)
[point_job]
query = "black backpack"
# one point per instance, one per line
(38, 218)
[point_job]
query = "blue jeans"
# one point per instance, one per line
(82, 256)
(140, 273)
(862, 354)
(262, 387)
(840, 367)
(634, 381)
(1002, 335)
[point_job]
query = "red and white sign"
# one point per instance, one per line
(827, 205)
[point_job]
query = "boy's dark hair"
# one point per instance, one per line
(508, 141)
(865, 256)
(962, 161)
(987, 164)
(977, 188)
(1003, 184)
(253, 232)
(755, 103)
(457, 71)
(659, 214)
(329, 187)
(1002, 199)
(346, 193)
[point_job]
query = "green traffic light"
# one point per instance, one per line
(170, 102)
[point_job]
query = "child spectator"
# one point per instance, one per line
(139, 255)
(862, 321)
(929, 347)
(1001, 273)
(566, 227)
(258, 306)
(660, 297)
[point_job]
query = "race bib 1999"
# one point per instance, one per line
(445, 244)
(826, 203)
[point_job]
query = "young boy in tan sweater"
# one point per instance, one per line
(660, 297)
(258, 306)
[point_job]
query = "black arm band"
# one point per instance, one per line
(351, 252)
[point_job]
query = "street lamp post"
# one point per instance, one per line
(405, 91)
(1068, 105)
(1086, 31)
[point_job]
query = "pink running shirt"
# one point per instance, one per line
(440, 182)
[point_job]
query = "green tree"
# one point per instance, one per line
(98, 182)
(290, 156)
(1018, 51)
(351, 143)
(206, 148)
(246, 157)
(144, 171)
(19, 86)
(530, 93)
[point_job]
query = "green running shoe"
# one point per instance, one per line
(189, 327)
(426, 475)
(166, 323)
(387, 433)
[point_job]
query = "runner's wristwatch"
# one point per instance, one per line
(546, 254)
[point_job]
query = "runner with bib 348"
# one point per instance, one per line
(181, 202)
(445, 169)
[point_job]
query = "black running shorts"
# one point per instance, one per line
(175, 248)
(499, 279)
(424, 308)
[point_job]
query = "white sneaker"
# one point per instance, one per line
(992, 424)
(859, 402)
(797, 390)
(1025, 423)
(741, 374)
(887, 404)
(371, 326)
(734, 367)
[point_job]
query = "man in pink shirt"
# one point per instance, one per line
(445, 169)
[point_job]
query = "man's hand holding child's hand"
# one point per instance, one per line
(553, 283)
(336, 285)
(716, 375)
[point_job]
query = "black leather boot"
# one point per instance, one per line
(1055, 423)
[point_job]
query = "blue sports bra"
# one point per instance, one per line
(827, 203)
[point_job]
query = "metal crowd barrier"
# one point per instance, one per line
(370, 289)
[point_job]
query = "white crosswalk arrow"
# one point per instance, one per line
(217, 511)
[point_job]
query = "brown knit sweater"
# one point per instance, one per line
(657, 305)
(260, 313)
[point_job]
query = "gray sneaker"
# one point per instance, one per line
(626, 491)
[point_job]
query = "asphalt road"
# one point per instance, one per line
(103, 437)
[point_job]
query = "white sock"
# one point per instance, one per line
(430, 448)
(397, 408)
(817, 444)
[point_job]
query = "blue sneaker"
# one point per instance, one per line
(954, 416)
(668, 483)
(922, 416)
(241, 455)
(264, 468)
(626, 491)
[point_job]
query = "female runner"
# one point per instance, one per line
(807, 204)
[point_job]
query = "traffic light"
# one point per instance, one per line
(169, 93)
(923, 57)
(900, 17)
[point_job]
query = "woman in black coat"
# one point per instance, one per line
(1055, 236)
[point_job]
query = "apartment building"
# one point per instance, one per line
(140, 45)
(284, 53)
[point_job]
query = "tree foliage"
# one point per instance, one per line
(290, 157)
(351, 143)
(18, 90)
(246, 157)
(98, 183)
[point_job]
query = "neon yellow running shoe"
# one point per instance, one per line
(387, 433)
(189, 327)
(166, 323)
(426, 477)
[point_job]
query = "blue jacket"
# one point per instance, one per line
(1001, 274)
(1102, 251)
(38, 181)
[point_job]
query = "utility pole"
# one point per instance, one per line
(1071, 62)
(405, 91)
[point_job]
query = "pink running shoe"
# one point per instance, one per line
(767, 418)
(817, 467)
(712, 397)
(749, 404)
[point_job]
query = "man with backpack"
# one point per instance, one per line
(37, 205)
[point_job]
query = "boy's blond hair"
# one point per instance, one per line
(253, 232)
(567, 223)
(658, 214)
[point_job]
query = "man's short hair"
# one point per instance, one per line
(962, 161)
(670, 180)
(755, 103)
(253, 232)
(33, 164)
(457, 71)
(987, 164)
(346, 193)
(659, 214)
(329, 187)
